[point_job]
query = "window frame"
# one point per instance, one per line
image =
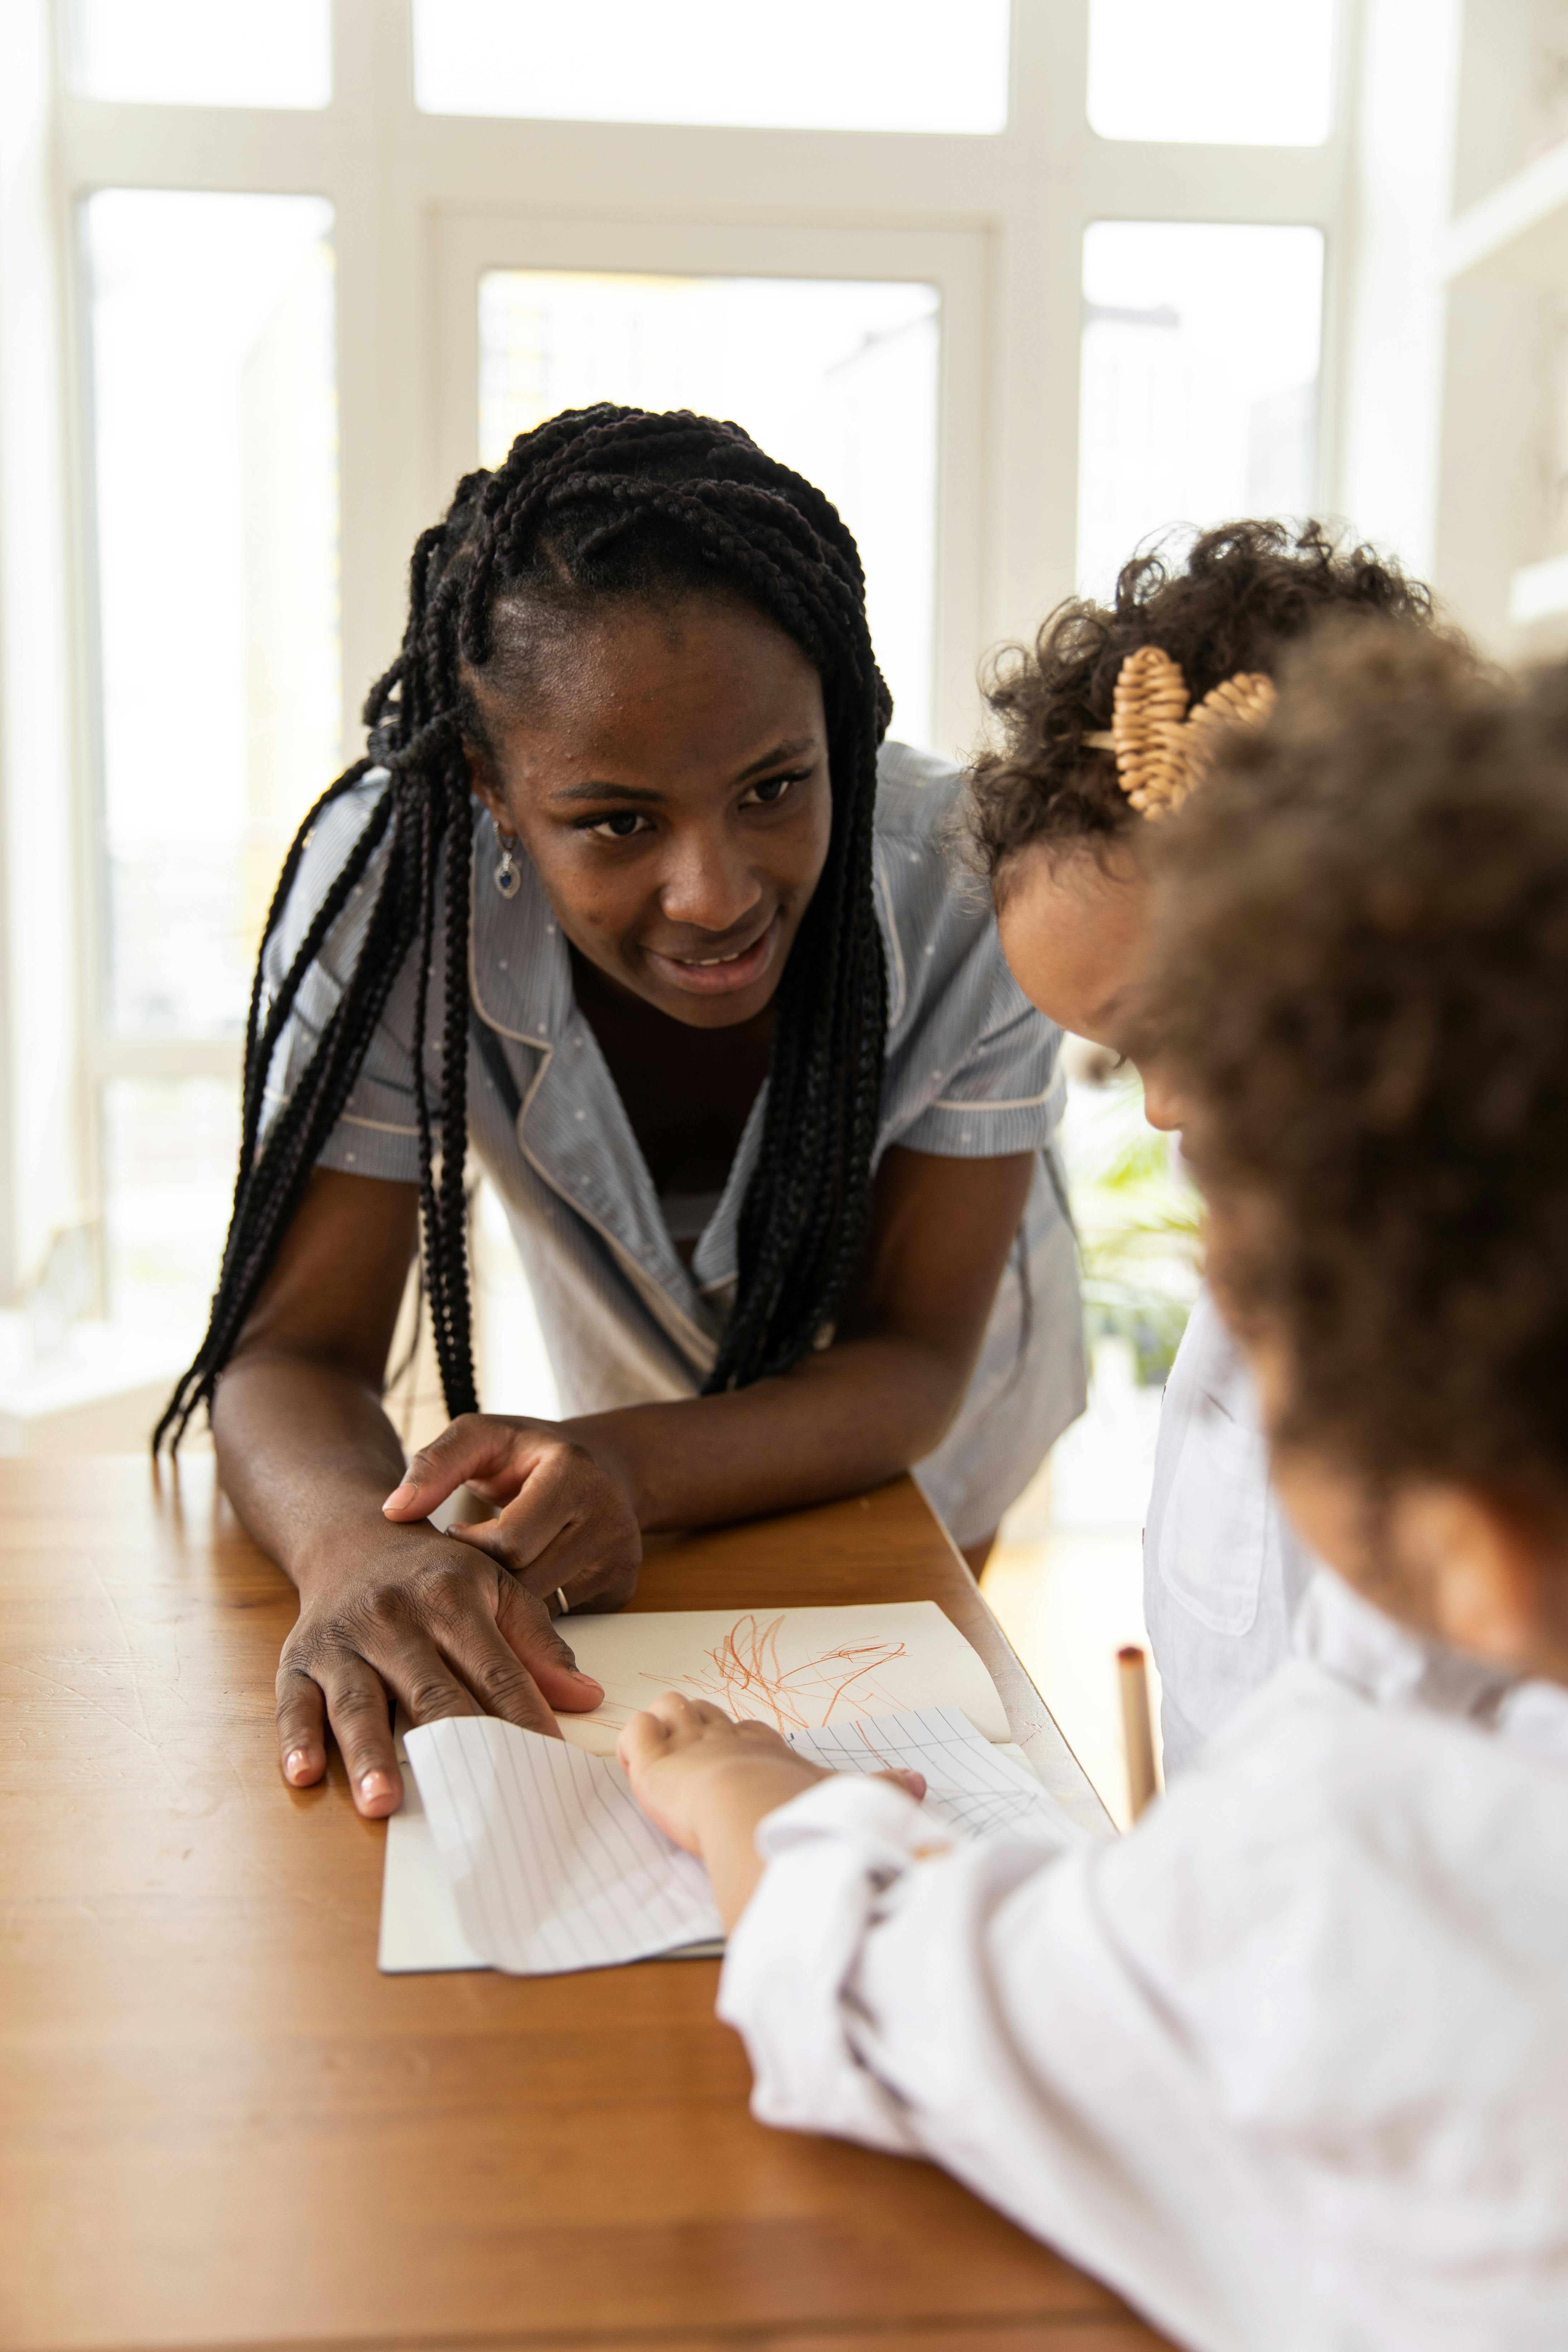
(416, 196)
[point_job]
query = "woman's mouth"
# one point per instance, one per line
(718, 975)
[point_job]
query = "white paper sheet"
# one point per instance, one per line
(420, 1928)
(798, 1668)
(553, 1867)
(792, 1668)
(974, 1787)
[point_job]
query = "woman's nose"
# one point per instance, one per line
(708, 886)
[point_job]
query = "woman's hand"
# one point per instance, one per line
(434, 1624)
(708, 1781)
(569, 1518)
(389, 1608)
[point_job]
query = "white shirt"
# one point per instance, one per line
(1287, 2066)
(972, 1072)
(1224, 1570)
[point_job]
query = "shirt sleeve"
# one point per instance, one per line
(972, 2005)
(973, 1068)
(378, 1134)
(1006, 1095)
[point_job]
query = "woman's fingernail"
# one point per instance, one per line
(296, 1762)
(593, 1682)
(375, 1784)
(400, 1495)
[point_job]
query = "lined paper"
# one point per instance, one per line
(553, 1866)
(970, 1785)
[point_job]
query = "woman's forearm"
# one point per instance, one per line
(846, 1419)
(306, 1454)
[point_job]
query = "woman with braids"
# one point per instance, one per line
(1103, 727)
(625, 895)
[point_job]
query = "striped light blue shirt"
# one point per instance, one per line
(972, 1073)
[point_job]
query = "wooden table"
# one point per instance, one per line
(223, 2127)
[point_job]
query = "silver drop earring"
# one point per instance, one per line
(508, 880)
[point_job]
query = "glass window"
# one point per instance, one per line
(1238, 72)
(202, 52)
(809, 65)
(1200, 380)
(170, 1146)
(836, 378)
(216, 479)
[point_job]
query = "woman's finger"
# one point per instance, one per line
(524, 1625)
(361, 1724)
(501, 1682)
(567, 1531)
(561, 1496)
(301, 1719)
(476, 1446)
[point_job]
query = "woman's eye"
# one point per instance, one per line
(769, 794)
(621, 826)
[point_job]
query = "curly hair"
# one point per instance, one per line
(1359, 966)
(1245, 592)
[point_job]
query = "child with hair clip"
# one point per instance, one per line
(1287, 2065)
(1101, 730)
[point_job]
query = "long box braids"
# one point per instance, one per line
(598, 503)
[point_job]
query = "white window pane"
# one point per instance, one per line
(810, 65)
(1200, 380)
(216, 445)
(1239, 72)
(203, 52)
(170, 1146)
(834, 377)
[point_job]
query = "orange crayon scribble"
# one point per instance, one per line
(745, 1675)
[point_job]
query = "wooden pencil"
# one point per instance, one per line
(1137, 1729)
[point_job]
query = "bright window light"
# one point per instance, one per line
(170, 1146)
(837, 377)
(202, 52)
(215, 483)
(1236, 72)
(1200, 382)
(809, 65)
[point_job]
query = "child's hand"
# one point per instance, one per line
(681, 1755)
(708, 1781)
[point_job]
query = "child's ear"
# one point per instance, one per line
(1486, 1569)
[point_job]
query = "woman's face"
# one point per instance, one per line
(1072, 922)
(670, 782)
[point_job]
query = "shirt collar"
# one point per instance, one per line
(574, 1127)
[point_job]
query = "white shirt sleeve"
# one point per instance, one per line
(970, 2004)
(1285, 2067)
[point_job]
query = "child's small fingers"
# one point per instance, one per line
(914, 1784)
(643, 1738)
(672, 1708)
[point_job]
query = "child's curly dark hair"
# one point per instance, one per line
(1359, 985)
(1245, 592)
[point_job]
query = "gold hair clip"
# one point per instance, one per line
(1161, 753)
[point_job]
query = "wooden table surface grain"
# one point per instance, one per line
(221, 2127)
